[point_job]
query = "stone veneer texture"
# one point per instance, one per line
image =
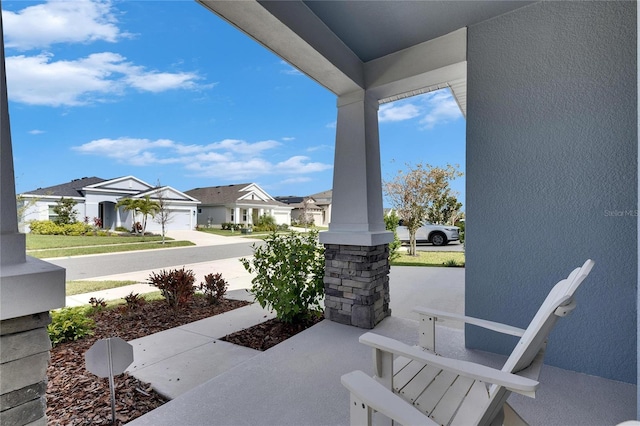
(356, 284)
(24, 357)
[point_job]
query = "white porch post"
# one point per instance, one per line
(29, 288)
(357, 244)
(356, 216)
(236, 216)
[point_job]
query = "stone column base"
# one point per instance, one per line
(356, 284)
(24, 358)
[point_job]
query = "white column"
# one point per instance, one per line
(29, 288)
(236, 216)
(28, 285)
(356, 211)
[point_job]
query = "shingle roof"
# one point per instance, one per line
(226, 194)
(322, 195)
(69, 189)
(290, 199)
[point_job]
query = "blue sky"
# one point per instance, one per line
(167, 91)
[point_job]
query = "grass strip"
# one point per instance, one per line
(66, 252)
(430, 258)
(79, 287)
(41, 242)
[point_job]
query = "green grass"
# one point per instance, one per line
(218, 231)
(429, 258)
(65, 252)
(79, 287)
(40, 242)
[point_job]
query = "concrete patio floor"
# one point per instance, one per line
(298, 381)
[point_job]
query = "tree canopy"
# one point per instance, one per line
(422, 193)
(145, 206)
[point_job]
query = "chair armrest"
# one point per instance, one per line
(373, 395)
(489, 325)
(513, 382)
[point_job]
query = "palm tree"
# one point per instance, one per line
(145, 206)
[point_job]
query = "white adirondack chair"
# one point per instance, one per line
(422, 388)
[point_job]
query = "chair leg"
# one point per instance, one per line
(427, 338)
(512, 418)
(360, 413)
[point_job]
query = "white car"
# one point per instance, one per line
(438, 235)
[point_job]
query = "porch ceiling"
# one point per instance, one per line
(394, 49)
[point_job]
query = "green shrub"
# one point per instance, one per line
(103, 233)
(265, 223)
(121, 229)
(45, 227)
(69, 324)
(283, 227)
(214, 288)
(289, 274)
(391, 221)
(176, 285)
(76, 229)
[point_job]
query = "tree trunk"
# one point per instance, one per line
(412, 242)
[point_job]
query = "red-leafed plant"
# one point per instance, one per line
(175, 285)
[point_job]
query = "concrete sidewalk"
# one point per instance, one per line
(231, 269)
(179, 359)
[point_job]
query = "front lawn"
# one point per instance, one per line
(80, 287)
(39, 242)
(113, 248)
(430, 258)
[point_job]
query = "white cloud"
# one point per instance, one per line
(289, 69)
(395, 112)
(331, 125)
(79, 21)
(319, 148)
(242, 147)
(39, 80)
(36, 132)
(230, 159)
(288, 139)
(442, 109)
(160, 81)
(300, 164)
(433, 108)
(302, 179)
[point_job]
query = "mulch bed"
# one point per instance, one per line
(269, 333)
(77, 397)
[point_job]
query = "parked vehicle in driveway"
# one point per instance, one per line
(438, 235)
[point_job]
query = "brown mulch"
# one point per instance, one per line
(269, 333)
(78, 397)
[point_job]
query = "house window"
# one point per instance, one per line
(244, 215)
(233, 215)
(52, 214)
(199, 211)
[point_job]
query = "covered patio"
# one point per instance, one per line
(298, 381)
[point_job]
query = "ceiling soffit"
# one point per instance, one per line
(394, 49)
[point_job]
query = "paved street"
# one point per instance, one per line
(82, 267)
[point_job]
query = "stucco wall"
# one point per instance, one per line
(552, 171)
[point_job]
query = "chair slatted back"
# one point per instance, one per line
(558, 303)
